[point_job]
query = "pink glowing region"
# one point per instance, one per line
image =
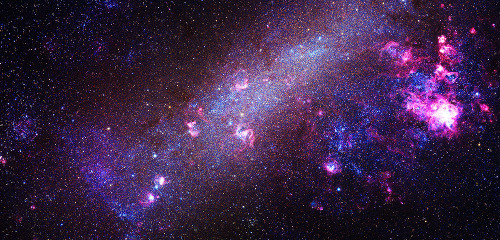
(442, 114)
(246, 136)
(484, 107)
(241, 80)
(150, 199)
(442, 39)
(439, 113)
(242, 86)
(447, 50)
(160, 181)
(192, 129)
(406, 56)
(332, 167)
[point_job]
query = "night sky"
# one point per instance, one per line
(249, 119)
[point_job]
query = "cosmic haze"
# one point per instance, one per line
(225, 119)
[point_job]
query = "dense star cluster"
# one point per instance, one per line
(304, 119)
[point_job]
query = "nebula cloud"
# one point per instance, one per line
(256, 120)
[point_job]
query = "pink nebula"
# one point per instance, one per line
(246, 136)
(332, 166)
(160, 181)
(192, 129)
(407, 55)
(442, 39)
(242, 86)
(438, 112)
(442, 114)
(484, 107)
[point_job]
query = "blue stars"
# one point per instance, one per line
(151, 197)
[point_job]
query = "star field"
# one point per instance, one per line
(249, 120)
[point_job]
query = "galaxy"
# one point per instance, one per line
(303, 119)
